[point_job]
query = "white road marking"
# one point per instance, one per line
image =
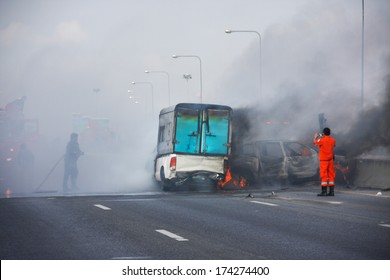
(334, 202)
(102, 207)
(130, 258)
(171, 235)
(132, 199)
(384, 225)
(264, 203)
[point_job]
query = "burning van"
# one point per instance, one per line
(194, 143)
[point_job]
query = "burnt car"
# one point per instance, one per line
(269, 161)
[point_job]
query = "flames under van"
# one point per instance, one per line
(194, 143)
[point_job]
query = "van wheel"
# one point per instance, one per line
(164, 184)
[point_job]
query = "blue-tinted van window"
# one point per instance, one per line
(215, 132)
(187, 131)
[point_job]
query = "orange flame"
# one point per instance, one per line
(240, 181)
(228, 177)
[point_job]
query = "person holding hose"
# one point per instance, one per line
(326, 145)
(72, 154)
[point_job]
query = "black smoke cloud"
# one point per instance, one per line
(371, 129)
(283, 120)
(311, 64)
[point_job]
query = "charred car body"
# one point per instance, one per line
(193, 144)
(274, 160)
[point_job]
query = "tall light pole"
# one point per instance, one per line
(151, 86)
(169, 86)
(228, 31)
(134, 100)
(362, 74)
(200, 67)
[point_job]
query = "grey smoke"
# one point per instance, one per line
(370, 130)
(367, 132)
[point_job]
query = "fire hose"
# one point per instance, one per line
(51, 171)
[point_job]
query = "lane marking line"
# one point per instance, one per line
(365, 194)
(384, 225)
(102, 207)
(171, 235)
(334, 202)
(131, 199)
(264, 203)
(130, 258)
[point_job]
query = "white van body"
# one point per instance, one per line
(193, 144)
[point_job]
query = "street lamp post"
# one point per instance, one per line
(169, 86)
(228, 31)
(200, 67)
(362, 68)
(134, 100)
(151, 86)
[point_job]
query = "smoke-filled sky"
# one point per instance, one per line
(57, 52)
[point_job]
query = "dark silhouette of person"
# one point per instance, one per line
(71, 157)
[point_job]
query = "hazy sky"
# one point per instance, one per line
(57, 52)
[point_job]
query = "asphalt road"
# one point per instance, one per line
(289, 224)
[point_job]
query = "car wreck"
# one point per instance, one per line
(270, 161)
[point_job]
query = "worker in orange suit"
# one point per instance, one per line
(326, 145)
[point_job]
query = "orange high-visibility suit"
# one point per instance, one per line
(326, 145)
